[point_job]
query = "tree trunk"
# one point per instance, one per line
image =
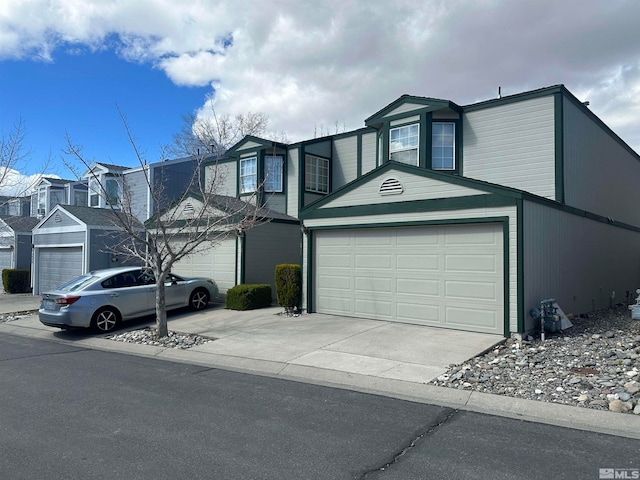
(161, 311)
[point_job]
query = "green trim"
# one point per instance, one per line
(359, 156)
(301, 182)
(559, 145)
(431, 205)
(504, 221)
(430, 105)
(520, 259)
(425, 140)
(519, 97)
(243, 243)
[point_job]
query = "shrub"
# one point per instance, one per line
(248, 296)
(288, 286)
(16, 281)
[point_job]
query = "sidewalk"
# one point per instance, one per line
(376, 357)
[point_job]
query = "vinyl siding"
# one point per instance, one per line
(293, 171)
(394, 219)
(269, 245)
(136, 183)
(369, 152)
(62, 220)
(416, 187)
(345, 161)
(600, 175)
(512, 145)
(322, 149)
(276, 202)
(404, 108)
(23, 251)
(576, 260)
(58, 239)
(226, 177)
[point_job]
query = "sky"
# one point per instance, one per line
(71, 68)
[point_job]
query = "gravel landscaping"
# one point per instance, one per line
(594, 364)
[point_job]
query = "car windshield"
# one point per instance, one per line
(76, 284)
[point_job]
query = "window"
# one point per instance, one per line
(94, 192)
(273, 174)
(248, 174)
(403, 144)
(443, 146)
(112, 189)
(316, 177)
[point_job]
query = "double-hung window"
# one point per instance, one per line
(273, 173)
(316, 174)
(443, 141)
(404, 144)
(112, 189)
(248, 174)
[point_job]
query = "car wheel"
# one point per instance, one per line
(105, 320)
(199, 299)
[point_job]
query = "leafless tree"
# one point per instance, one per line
(198, 220)
(14, 159)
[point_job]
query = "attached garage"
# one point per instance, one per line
(58, 265)
(448, 276)
(218, 263)
(6, 255)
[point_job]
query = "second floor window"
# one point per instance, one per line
(112, 189)
(273, 174)
(443, 146)
(404, 144)
(316, 174)
(248, 174)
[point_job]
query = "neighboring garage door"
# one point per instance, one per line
(5, 258)
(57, 266)
(218, 263)
(446, 276)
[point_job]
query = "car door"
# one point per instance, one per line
(175, 292)
(128, 294)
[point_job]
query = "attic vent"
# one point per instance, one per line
(189, 210)
(391, 186)
(57, 218)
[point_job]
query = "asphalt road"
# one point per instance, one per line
(74, 413)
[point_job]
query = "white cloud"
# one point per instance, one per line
(16, 184)
(311, 64)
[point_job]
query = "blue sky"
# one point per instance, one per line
(311, 67)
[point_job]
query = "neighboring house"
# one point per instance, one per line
(70, 241)
(15, 242)
(50, 191)
(104, 176)
(15, 206)
(466, 217)
(243, 256)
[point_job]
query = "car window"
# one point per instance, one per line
(123, 280)
(77, 283)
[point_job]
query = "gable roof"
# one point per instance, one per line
(412, 104)
(90, 216)
(20, 224)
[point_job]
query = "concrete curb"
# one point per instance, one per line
(623, 425)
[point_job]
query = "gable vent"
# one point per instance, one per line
(189, 210)
(391, 186)
(57, 218)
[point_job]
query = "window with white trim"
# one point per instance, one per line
(248, 174)
(404, 144)
(273, 173)
(443, 141)
(316, 178)
(112, 190)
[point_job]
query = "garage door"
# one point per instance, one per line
(218, 263)
(446, 276)
(57, 266)
(5, 258)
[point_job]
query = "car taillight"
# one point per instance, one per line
(67, 300)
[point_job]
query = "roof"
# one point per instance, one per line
(233, 204)
(57, 181)
(96, 217)
(20, 224)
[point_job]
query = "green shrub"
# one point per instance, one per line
(288, 286)
(248, 296)
(16, 281)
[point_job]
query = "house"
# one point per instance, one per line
(15, 206)
(466, 217)
(51, 191)
(236, 257)
(72, 240)
(15, 241)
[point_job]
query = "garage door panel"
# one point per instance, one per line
(57, 265)
(449, 276)
(218, 262)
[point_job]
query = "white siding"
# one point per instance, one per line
(345, 161)
(575, 260)
(512, 145)
(293, 171)
(601, 176)
(369, 152)
(509, 212)
(404, 108)
(416, 187)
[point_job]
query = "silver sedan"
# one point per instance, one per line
(103, 298)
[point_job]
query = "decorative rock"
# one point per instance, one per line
(620, 406)
(624, 396)
(632, 387)
(609, 334)
(637, 409)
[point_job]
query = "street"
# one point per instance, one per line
(74, 413)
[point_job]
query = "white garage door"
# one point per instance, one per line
(218, 263)
(5, 258)
(446, 276)
(57, 266)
